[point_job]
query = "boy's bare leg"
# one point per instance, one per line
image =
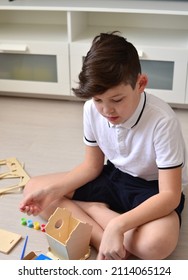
(78, 213)
(100, 212)
(154, 240)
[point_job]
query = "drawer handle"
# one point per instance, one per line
(140, 53)
(13, 48)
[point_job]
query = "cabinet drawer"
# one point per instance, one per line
(34, 68)
(166, 69)
(77, 54)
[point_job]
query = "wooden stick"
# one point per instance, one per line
(8, 175)
(8, 189)
(16, 171)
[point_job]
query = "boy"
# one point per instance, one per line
(134, 202)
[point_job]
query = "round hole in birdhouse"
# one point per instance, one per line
(58, 223)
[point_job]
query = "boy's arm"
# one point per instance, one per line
(40, 191)
(87, 171)
(160, 204)
(157, 206)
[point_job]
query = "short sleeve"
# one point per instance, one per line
(168, 144)
(88, 117)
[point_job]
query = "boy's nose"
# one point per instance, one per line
(108, 110)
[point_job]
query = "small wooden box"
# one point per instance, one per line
(68, 238)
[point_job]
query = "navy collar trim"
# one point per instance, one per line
(141, 111)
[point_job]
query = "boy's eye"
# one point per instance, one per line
(97, 100)
(118, 100)
(112, 100)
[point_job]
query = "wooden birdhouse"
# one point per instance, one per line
(68, 238)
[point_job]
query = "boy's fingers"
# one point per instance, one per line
(100, 256)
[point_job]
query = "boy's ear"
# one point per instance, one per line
(142, 82)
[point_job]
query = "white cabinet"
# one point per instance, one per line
(34, 55)
(56, 35)
(161, 40)
(42, 68)
(166, 70)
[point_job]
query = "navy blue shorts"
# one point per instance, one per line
(121, 191)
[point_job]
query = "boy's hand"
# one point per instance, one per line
(38, 193)
(33, 203)
(112, 244)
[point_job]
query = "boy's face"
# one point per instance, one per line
(119, 103)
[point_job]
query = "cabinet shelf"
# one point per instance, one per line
(139, 36)
(33, 32)
(149, 7)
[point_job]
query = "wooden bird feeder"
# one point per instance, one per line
(68, 238)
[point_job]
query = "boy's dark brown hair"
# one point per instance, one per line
(111, 61)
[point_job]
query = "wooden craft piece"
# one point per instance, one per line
(8, 240)
(15, 171)
(68, 237)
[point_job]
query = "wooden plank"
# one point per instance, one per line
(8, 240)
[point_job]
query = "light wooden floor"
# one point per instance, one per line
(46, 135)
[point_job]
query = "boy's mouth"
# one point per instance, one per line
(112, 119)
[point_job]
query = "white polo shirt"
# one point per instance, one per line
(149, 140)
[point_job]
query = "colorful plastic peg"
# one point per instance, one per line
(43, 227)
(30, 223)
(24, 221)
(36, 225)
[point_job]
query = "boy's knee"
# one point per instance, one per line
(157, 248)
